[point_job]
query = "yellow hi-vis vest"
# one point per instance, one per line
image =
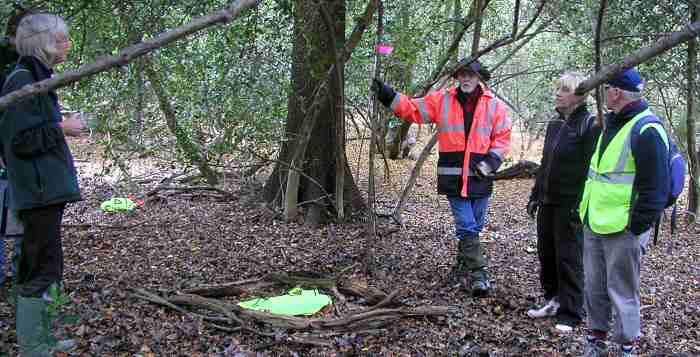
(607, 196)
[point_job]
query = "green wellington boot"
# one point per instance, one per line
(475, 264)
(459, 269)
(34, 330)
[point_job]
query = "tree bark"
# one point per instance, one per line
(691, 76)
(339, 116)
(312, 57)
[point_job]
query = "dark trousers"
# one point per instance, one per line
(41, 262)
(560, 249)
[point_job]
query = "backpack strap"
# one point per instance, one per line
(12, 74)
(652, 121)
(660, 129)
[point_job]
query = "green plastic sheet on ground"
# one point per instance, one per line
(296, 302)
(118, 204)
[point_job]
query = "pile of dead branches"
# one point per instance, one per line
(213, 304)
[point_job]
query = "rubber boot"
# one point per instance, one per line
(32, 327)
(35, 331)
(456, 275)
(475, 264)
(12, 295)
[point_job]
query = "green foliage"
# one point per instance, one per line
(230, 84)
(59, 303)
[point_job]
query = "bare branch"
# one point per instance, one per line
(128, 54)
(640, 56)
(359, 29)
(534, 18)
(516, 18)
(655, 35)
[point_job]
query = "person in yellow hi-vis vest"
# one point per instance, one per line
(625, 192)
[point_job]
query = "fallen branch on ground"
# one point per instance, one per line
(318, 332)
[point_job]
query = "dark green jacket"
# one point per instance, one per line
(39, 163)
(8, 58)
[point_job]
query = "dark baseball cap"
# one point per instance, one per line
(629, 80)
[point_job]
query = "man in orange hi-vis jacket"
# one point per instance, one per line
(474, 130)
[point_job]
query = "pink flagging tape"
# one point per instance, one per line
(385, 50)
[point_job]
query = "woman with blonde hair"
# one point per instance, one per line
(41, 175)
(568, 146)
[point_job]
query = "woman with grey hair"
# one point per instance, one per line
(568, 146)
(41, 174)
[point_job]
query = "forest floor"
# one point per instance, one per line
(182, 239)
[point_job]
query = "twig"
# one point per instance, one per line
(386, 301)
(145, 295)
(187, 190)
(105, 226)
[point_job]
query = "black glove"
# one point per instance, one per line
(575, 219)
(532, 209)
(385, 94)
(483, 170)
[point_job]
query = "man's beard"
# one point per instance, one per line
(466, 88)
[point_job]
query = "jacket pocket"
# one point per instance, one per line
(34, 142)
(449, 173)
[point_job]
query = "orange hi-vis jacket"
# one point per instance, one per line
(489, 137)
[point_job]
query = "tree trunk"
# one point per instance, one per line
(693, 155)
(312, 57)
(476, 37)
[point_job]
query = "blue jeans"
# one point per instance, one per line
(469, 215)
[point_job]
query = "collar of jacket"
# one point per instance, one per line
(39, 71)
(582, 108)
(485, 92)
(627, 113)
(463, 98)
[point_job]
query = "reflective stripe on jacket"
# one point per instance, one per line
(489, 134)
(608, 193)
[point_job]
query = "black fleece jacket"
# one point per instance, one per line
(568, 146)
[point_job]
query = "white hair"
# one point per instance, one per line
(571, 80)
(631, 96)
(37, 35)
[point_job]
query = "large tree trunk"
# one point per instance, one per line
(312, 57)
